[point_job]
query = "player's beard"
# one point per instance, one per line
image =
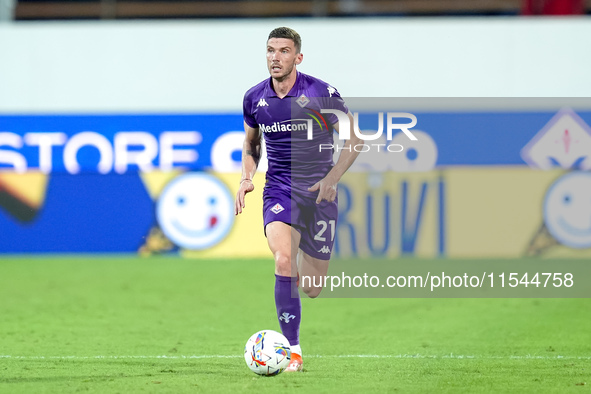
(287, 72)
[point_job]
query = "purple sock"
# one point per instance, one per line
(289, 307)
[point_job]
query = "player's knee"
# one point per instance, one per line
(283, 265)
(312, 291)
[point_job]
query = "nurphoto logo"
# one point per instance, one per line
(345, 130)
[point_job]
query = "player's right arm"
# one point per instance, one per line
(251, 154)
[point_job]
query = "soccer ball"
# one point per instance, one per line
(267, 353)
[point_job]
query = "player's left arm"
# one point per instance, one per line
(327, 186)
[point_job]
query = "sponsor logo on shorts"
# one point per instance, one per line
(277, 208)
(324, 249)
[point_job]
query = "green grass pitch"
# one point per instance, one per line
(165, 324)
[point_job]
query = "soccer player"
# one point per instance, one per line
(300, 194)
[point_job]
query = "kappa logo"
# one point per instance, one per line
(324, 249)
(262, 103)
(331, 90)
(286, 317)
(277, 208)
(303, 101)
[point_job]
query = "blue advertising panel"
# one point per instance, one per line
(73, 183)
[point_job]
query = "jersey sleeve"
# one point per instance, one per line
(333, 100)
(247, 111)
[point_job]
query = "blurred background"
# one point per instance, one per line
(113, 9)
(121, 126)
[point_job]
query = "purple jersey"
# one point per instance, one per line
(295, 161)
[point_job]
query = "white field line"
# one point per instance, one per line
(391, 356)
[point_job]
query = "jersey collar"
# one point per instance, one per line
(294, 91)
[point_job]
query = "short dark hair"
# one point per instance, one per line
(286, 32)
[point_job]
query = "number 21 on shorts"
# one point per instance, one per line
(323, 226)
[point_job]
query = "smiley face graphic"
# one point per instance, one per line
(567, 210)
(195, 211)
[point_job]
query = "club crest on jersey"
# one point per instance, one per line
(303, 101)
(262, 103)
(277, 208)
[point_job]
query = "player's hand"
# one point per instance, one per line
(246, 186)
(327, 189)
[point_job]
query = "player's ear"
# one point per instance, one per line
(299, 58)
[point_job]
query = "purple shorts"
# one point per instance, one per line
(316, 223)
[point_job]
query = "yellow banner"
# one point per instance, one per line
(247, 237)
(458, 212)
